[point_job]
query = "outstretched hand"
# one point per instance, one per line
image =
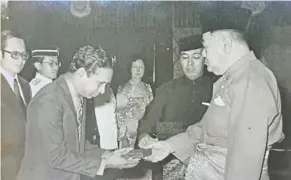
(146, 141)
(160, 150)
(117, 160)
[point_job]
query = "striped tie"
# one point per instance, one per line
(80, 117)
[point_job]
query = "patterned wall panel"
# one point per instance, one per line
(186, 14)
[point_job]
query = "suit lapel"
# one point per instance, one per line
(25, 90)
(63, 84)
(10, 100)
(83, 138)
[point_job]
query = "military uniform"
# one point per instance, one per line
(38, 82)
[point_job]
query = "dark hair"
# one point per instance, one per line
(90, 58)
(134, 59)
(8, 34)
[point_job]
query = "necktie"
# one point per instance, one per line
(17, 93)
(80, 117)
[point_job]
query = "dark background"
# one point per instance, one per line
(127, 29)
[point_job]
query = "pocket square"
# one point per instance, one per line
(205, 104)
(218, 101)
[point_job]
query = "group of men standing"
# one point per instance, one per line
(222, 132)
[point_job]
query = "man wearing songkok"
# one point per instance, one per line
(178, 103)
(243, 121)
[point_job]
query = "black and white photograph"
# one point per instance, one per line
(145, 90)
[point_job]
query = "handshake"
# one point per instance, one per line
(159, 149)
(151, 150)
(120, 159)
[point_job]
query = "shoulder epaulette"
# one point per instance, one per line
(35, 81)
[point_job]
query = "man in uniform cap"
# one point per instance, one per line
(47, 65)
(178, 103)
(242, 122)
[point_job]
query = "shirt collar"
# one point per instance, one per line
(242, 62)
(42, 77)
(76, 98)
(9, 77)
(188, 81)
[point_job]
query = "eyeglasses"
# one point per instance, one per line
(16, 55)
(52, 64)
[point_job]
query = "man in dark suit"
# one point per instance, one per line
(56, 147)
(15, 95)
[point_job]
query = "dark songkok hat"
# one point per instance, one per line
(190, 43)
(45, 52)
(229, 17)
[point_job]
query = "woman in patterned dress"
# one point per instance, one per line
(132, 99)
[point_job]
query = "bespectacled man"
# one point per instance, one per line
(47, 64)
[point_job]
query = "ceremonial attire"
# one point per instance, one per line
(38, 82)
(178, 104)
(38, 55)
(242, 123)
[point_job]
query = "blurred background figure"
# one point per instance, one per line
(47, 64)
(132, 99)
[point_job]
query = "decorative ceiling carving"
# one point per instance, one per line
(80, 9)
